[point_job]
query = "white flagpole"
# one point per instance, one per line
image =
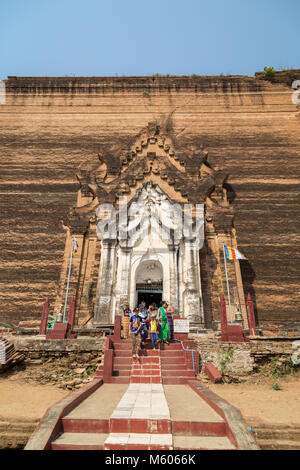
(68, 282)
(227, 282)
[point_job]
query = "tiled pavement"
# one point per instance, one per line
(143, 411)
(143, 401)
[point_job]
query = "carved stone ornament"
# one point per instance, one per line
(153, 157)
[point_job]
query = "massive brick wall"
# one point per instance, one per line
(49, 126)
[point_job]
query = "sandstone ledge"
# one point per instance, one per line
(34, 343)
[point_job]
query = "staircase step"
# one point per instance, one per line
(122, 360)
(122, 367)
(137, 379)
(121, 373)
(122, 353)
(139, 366)
(280, 444)
(274, 432)
(199, 428)
(85, 425)
(149, 360)
(176, 373)
(124, 345)
(189, 344)
(141, 372)
(128, 347)
(79, 441)
(175, 380)
(138, 441)
(172, 361)
(172, 353)
(202, 443)
(143, 353)
(117, 380)
(177, 367)
(139, 425)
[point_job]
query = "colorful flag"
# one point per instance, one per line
(75, 247)
(233, 253)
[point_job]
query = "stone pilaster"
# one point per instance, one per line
(193, 306)
(123, 277)
(174, 291)
(105, 283)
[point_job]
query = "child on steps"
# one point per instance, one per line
(153, 328)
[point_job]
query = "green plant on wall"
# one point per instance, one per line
(224, 359)
(269, 72)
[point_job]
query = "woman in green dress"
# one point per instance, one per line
(164, 329)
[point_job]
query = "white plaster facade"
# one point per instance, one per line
(155, 251)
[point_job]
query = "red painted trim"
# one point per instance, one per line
(108, 363)
(76, 447)
(44, 319)
(82, 425)
(67, 405)
(117, 328)
(214, 406)
(212, 373)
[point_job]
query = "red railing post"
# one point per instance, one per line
(117, 328)
(44, 318)
(108, 364)
(229, 333)
(251, 315)
(223, 316)
(71, 314)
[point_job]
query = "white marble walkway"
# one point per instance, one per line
(143, 401)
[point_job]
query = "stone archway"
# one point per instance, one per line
(149, 282)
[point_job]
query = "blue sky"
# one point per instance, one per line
(144, 37)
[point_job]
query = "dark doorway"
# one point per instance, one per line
(150, 298)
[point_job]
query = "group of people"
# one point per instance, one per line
(142, 321)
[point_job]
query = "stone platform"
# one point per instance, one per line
(147, 417)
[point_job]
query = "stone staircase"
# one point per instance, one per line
(277, 436)
(8, 355)
(155, 407)
(147, 417)
(153, 403)
(176, 364)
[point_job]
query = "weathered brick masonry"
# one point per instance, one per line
(49, 126)
(246, 356)
(83, 349)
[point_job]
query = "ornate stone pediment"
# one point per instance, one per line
(153, 155)
(184, 175)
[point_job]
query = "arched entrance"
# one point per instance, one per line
(149, 282)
